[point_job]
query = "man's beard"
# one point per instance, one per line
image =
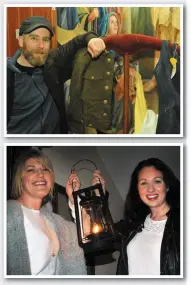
(35, 58)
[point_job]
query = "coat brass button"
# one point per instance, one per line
(106, 87)
(105, 102)
(93, 77)
(108, 73)
(104, 114)
(109, 60)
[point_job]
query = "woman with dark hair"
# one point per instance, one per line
(149, 235)
(151, 229)
(39, 242)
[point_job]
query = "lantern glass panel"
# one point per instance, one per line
(93, 219)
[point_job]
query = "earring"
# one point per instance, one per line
(167, 189)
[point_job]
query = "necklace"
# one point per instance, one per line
(46, 228)
(49, 231)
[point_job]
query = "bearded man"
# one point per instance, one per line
(35, 78)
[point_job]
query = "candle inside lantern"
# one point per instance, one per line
(96, 228)
(93, 219)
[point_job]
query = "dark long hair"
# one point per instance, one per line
(135, 209)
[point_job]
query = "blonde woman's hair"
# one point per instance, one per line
(17, 190)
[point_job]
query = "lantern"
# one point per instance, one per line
(93, 219)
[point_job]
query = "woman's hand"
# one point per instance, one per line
(150, 85)
(97, 178)
(72, 184)
(119, 87)
(93, 15)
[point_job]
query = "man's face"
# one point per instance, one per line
(35, 46)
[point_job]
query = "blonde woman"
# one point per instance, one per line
(39, 242)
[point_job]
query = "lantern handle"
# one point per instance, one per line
(73, 167)
(83, 168)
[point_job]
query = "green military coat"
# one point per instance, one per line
(91, 92)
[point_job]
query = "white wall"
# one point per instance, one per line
(121, 161)
(63, 158)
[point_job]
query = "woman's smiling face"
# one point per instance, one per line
(151, 187)
(37, 179)
(112, 26)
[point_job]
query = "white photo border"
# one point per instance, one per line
(181, 6)
(180, 145)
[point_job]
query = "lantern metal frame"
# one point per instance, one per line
(101, 241)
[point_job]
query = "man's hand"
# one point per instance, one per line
(72, 184)
(96, 46)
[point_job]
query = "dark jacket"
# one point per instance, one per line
(91, 92)
(168, 90)
(58, 69)
(170, 247)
